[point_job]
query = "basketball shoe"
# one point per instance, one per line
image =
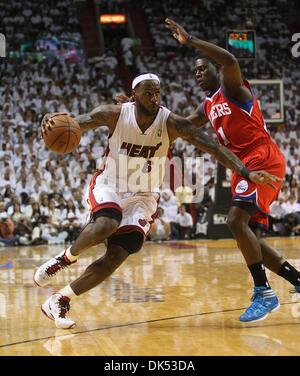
(264, 301)
(56, 308)
(50, 268)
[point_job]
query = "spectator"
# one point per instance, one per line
(36, 215)
(169, 205)
(50, 233)
(14, 212)
(160, 229)
(290, 225)
(7, 227)
(71, 225)
(182, 226)
(25, 233)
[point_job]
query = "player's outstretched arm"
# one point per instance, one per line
(232, 77)
(197, 117)
(181, 127)
(104, 115)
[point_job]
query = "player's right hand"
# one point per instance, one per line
(177, 31)
(47, 122)
(264, 177)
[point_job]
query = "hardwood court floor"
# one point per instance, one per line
(181, 298)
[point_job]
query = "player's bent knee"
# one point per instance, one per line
(235, 224)
(231, 220)
(131, 242)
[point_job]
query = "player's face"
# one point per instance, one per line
(147, 96)
(206, 74)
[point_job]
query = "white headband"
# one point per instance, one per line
(143, 77)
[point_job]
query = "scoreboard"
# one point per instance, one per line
(113, 21)
(241, 43)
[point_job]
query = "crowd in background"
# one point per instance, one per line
(41, 193)
(25, 21)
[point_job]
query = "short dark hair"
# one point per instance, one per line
(204, 57)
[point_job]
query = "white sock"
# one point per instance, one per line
(70, 256)
(67, 291)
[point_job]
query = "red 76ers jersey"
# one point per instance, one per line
(239, 126)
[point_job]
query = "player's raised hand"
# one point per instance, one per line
(47, 122)
(264, 177)
(178, 31)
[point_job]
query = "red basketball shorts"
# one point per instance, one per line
(265, 157)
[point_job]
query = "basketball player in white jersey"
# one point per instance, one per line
(121, 211)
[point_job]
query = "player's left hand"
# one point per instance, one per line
(264, 177)
(47, 122)
(122, 98)
(178, 31)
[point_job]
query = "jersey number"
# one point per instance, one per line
(147, 167)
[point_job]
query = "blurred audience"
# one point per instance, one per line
(42, 194)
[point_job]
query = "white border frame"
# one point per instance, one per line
(280, 82)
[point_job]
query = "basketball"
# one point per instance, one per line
(64, 136)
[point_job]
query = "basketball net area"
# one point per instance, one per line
(270, 98)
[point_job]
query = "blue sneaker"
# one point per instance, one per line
(263, 301)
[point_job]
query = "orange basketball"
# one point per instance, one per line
(64, 136)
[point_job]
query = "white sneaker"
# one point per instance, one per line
(50, 268)
(56, 308)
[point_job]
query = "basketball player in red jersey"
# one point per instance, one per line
(142, 129)
(233, 110)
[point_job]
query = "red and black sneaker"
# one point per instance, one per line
(56, 308)
(50, 268)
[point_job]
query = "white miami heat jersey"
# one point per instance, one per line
(135, 161)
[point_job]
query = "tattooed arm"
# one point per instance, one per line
(181, 127)
(104, 115)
